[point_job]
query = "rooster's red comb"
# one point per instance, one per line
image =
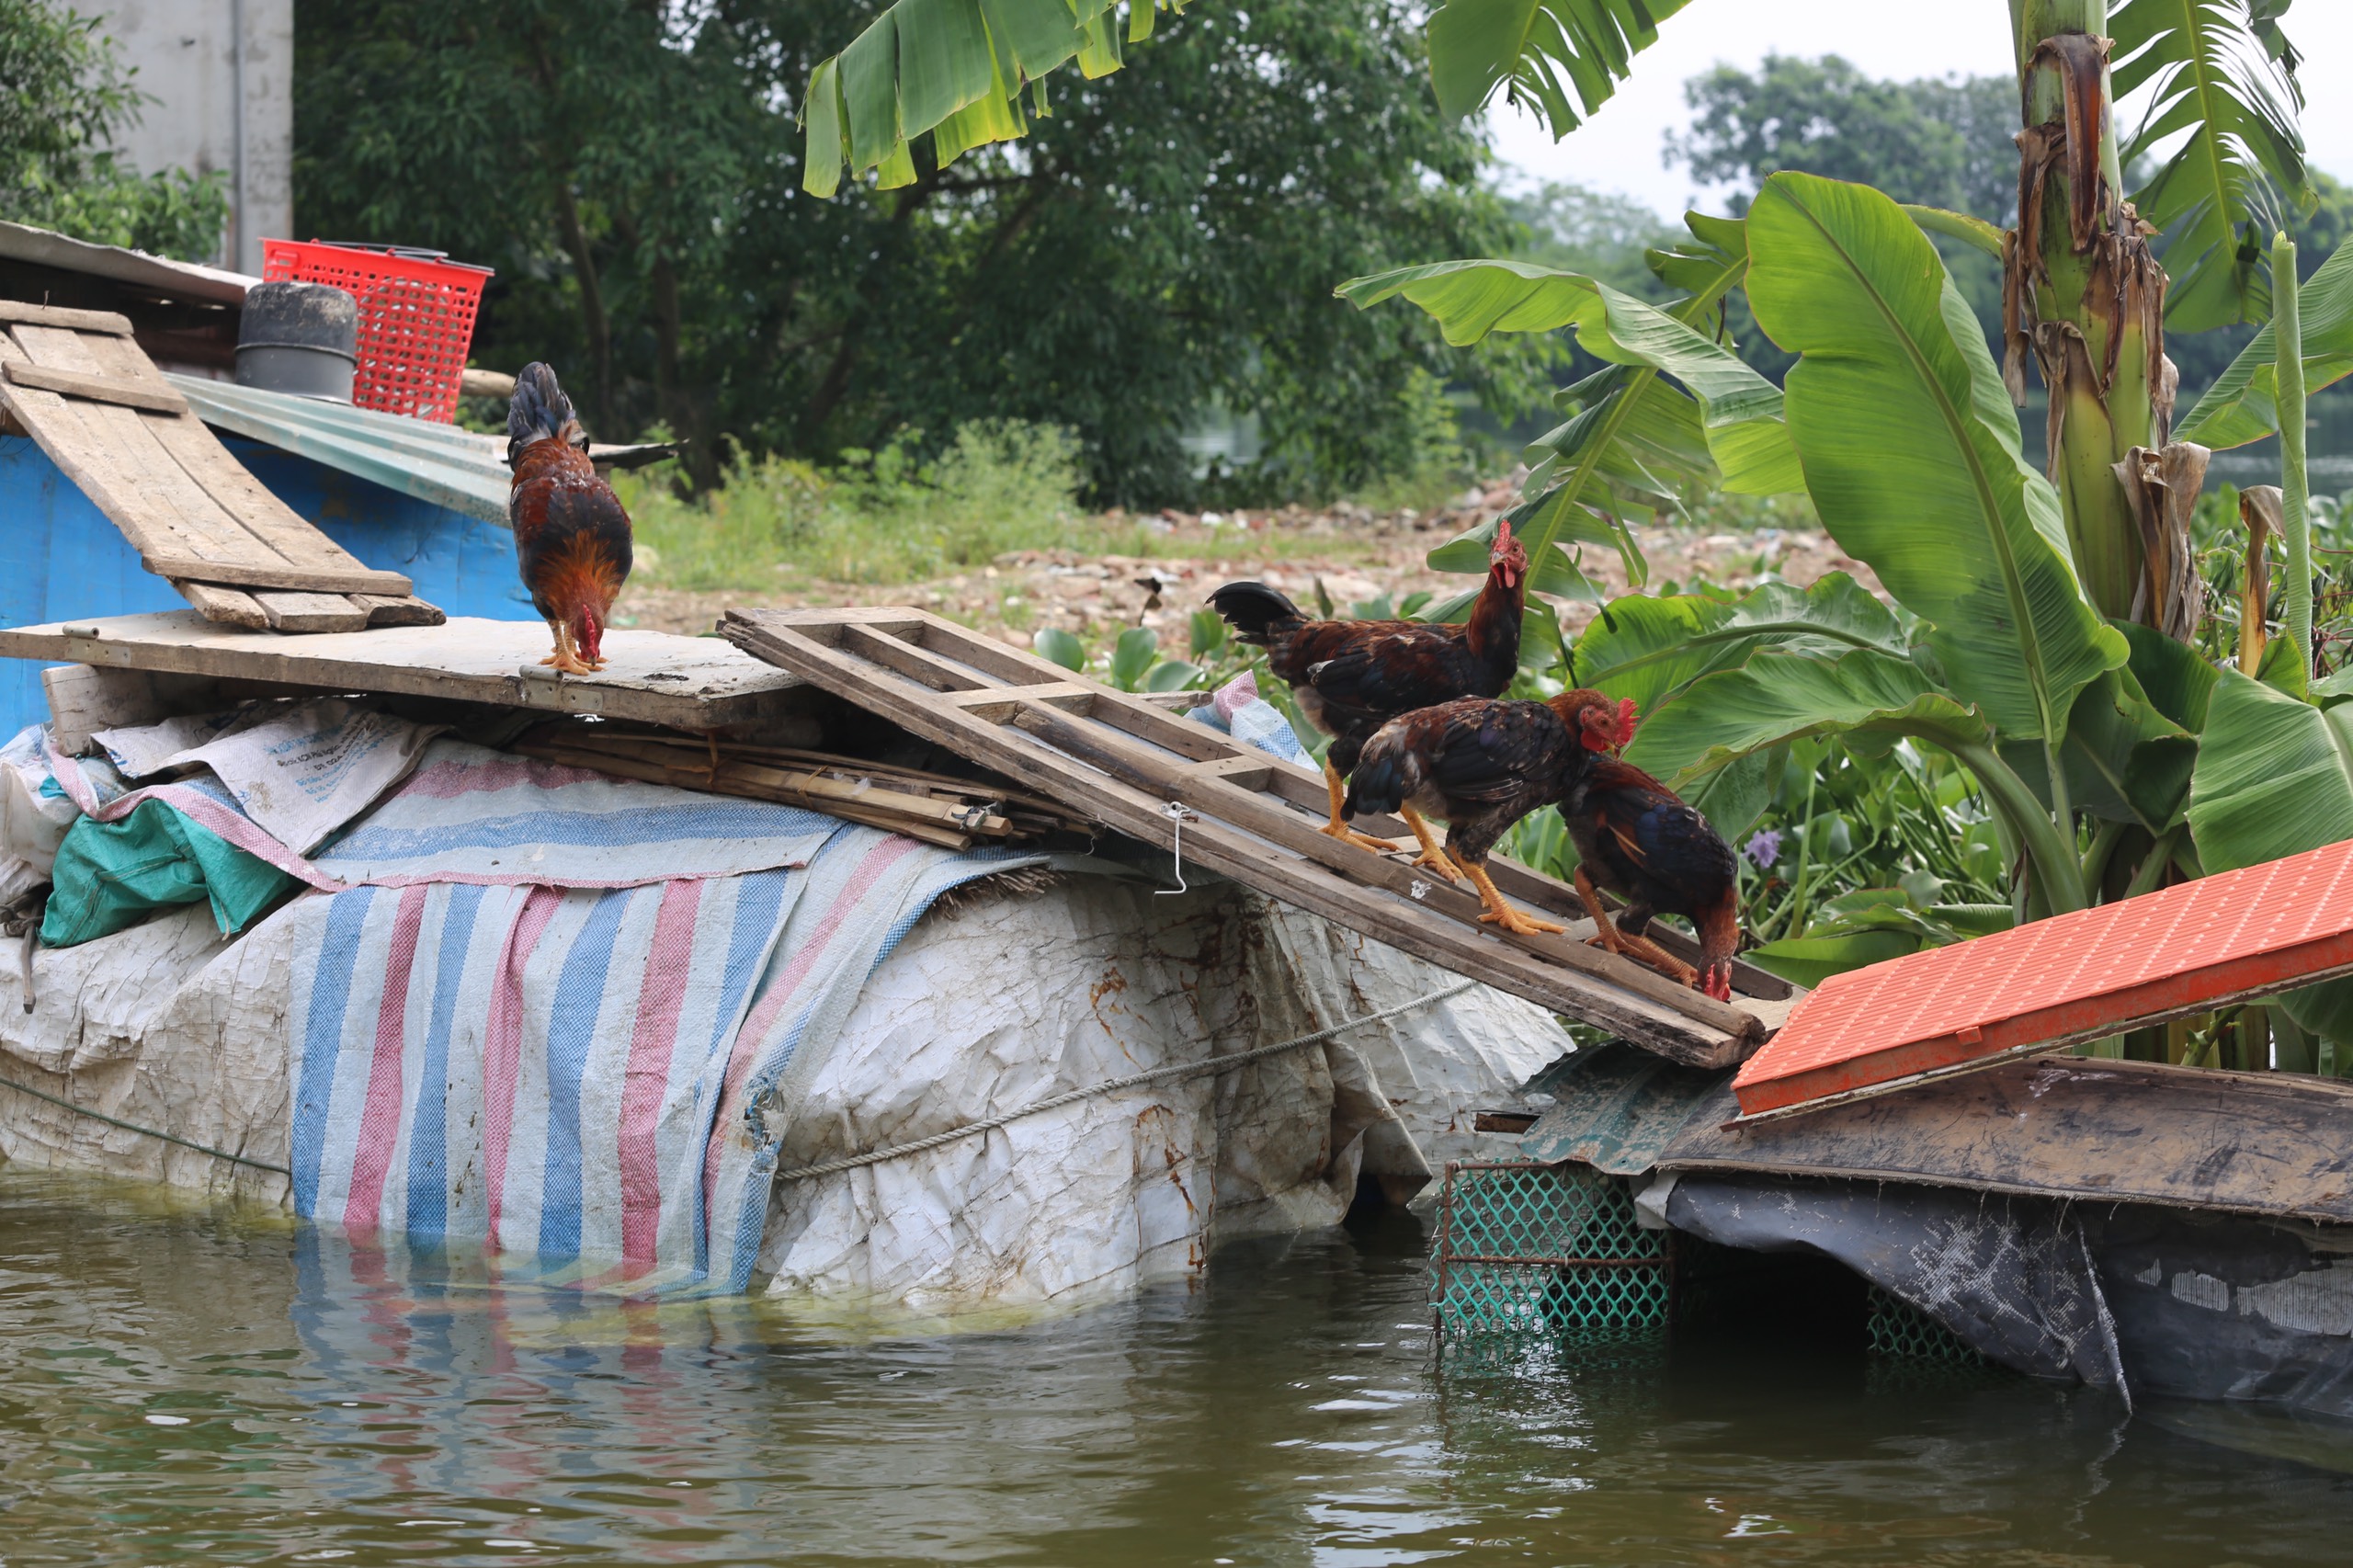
(1625, 722)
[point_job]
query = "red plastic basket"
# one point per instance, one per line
(416, 318)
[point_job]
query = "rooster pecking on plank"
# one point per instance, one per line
(1480, 766)
(572, 538)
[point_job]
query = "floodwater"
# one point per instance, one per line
(180, 1384)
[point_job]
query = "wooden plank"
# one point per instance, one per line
(1148, 716)
(312, 612)
(89, 456)
(254, 574)
(13, 311)
(686, 683)
(165, 516)
(282, 532)
(83, 701)
(226, 607)
(2276, 1144)
(177, 526)
(95, 388)
(408, 611)
(1355, 889)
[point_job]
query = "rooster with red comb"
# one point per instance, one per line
(571, 537)
(1480, 766)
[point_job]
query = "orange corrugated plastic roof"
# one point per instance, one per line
(2060, 982)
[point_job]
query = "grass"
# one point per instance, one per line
(888, 516)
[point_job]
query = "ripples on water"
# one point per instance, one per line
(182, 1385)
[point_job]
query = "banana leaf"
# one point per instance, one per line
(2275, 778)
(1911, 452)
(1776, 696)
(2209, 73)
(1634, 443)
(1650, 648)
(1539, 53)
(2240, 406)
(952, 68)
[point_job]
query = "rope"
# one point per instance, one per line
(897, 1150)
(147, 1132)
(1133, 1080)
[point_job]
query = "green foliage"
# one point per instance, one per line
(1632, 441)
(1054, 643)
(1538, 52)
(1911, 452)
(1158, 247)
(951, 69)
(2211, 72)
(1941, 143)
(2274, 779)
(1935, 142)
(889, 516)
(64, 95)
(2239, 407)
(1602, 236)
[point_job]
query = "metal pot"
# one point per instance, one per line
(301, 338)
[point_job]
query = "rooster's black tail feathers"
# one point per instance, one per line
(1380, 781)
(538, 411)
(1257, 612)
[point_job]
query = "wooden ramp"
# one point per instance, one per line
(75, 383)
(1148, 773)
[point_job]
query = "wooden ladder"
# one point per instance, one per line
(1134, 766)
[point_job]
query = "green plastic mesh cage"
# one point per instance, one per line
(1529, 1248)
(1900, 1330)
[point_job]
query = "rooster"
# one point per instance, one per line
(1352, 677)
(572, 538)
(1635, 838)
(1480, 766)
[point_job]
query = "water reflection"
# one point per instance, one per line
(180, 1384)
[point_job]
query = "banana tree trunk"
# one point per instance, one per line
(2083, 297)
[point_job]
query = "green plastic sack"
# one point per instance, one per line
(110, 876)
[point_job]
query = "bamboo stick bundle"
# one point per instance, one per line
(952, 812)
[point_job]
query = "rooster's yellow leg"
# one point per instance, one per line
(566, 658)
(1499, 912)
(1432, 857)
(1609, 936)
(1338, 826)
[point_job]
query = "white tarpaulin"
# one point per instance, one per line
(997, 999)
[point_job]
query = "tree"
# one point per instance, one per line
(1933, 142)
(64, 94)
(1131, 265)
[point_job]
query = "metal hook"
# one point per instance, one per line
(1177, 815)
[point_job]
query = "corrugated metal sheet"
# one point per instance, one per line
(434, 462)
(2059, 982)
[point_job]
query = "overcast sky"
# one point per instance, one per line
(1618, 149)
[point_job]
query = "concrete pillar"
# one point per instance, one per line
(222, 71)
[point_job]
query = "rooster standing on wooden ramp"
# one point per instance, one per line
(572, 538)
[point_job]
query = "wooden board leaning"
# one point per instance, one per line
(77, 383)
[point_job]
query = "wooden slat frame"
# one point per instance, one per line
(1126, 761)
(76, 383)
(95, 388)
